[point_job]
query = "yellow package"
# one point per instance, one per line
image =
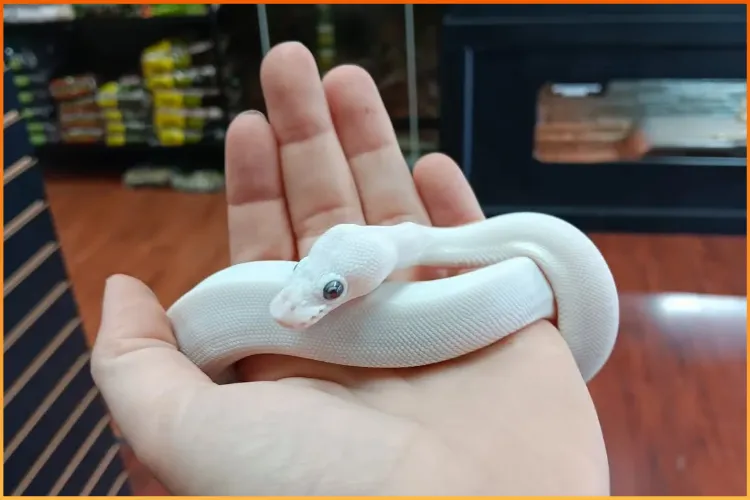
(114, 115)
(179, 118)
(164, 57)
(161, 81)
(169, 118)
(171, 137)
(115, 127)
(106, 97)
(178, 137)
(115, 139)
(169, 99)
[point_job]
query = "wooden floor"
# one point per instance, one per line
(672, 399)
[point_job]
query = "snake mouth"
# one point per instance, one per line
(289, 313)
(298, 325)
(291, 325)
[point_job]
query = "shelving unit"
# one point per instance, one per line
(379, 47)
(126, 37)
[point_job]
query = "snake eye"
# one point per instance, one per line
(333, 290)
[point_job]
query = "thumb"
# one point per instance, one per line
(135, 363)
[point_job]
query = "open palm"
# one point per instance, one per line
(514, 418)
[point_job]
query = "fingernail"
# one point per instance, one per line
(110, 282)
(252, 112)
(107, 298)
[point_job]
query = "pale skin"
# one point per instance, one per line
(513, 419)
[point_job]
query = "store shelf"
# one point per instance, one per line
(127, 32)
(62, 146)
(105, 22)
(100, 157)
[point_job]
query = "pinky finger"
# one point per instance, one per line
(445, 191)
(448, 198)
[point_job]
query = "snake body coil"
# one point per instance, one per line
(534, 267)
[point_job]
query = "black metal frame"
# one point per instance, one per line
(496, 58)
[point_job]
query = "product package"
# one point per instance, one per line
(196, 118)
(44, 13)
(113, 95)
(42, 132)
(167, 9)
(182, 137)
(186, 100)
(34, 98)
(32, 66)
(199, 76)
(169, 56)
(106, 10)
(78, 114)
(45, 113)
(72, 87)
(37, 79)
(80, 135)
(126, 108)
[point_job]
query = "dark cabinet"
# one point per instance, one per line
(495, 60)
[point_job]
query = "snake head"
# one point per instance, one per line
(346, 262)
(308, 296)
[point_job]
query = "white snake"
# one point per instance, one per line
(335, 306)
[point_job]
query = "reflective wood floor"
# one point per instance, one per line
(672, 398)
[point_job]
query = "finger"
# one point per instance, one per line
(447, 196)
(135, 363)
(319, 188)
(259, 227)
(385, 185)
(445, 191)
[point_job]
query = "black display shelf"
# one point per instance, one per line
(494, 61)
(106, 22)
(113, 46)
(633, 26)
(100, 157)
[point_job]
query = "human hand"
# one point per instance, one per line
(514, 418)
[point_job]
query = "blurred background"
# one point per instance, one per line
(628, 121)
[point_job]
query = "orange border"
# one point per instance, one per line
(549, 2)
(394, 2)
(2, 254)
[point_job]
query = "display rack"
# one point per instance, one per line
(106, 45)
(112, 48)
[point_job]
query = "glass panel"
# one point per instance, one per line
(374, 37)
(630, 120)
(371, 36)
(427, 21)
(242, 51)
